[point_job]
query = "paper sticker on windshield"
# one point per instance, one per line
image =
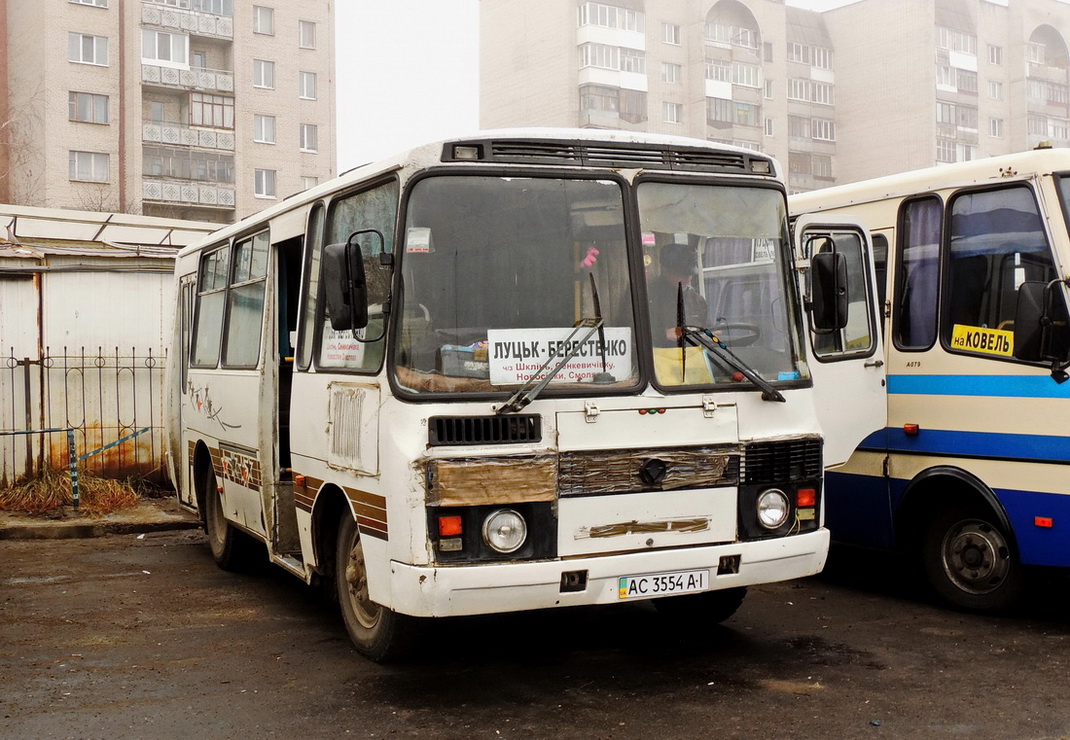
(418, 240)
(518, 355)
(986, 341)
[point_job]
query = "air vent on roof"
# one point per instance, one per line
(608, 154)
(484, 430)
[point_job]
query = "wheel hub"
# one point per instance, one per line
(976, 557)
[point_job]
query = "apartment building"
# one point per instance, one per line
(205, 110)
(859, 91)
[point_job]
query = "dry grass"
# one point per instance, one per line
(52, 490)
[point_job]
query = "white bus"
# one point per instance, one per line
(970, 472)
(434, 383)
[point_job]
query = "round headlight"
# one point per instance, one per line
(773, 508)
(504, 530)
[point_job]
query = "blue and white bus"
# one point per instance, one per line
(968, 275)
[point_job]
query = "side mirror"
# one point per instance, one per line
(828, 291)
(1029, 329)
(345, 283)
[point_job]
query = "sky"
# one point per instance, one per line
(408, 73)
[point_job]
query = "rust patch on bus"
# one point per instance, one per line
(695, 524)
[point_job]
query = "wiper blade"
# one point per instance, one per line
(527, 393)
(708, 340)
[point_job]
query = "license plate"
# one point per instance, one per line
(663, 584)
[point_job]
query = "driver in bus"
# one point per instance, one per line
(678, 268)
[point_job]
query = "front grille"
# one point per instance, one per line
(484, 430)
(783, 460)
(607, 154)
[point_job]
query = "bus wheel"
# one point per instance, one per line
(374, 629)
(969, 563)
(232, 550)
(704, 609)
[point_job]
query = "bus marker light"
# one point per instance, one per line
(450, 544)
(299, 480)
(911, 430)
(450, 526)
(1044, 521)
(738, 377)
(806, 515)
(806, 497)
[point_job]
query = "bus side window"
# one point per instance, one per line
(880, 272)
(920, 225)
(997, 242)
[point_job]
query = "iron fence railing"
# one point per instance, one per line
(104, 395)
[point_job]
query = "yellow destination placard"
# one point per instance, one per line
(988, 341)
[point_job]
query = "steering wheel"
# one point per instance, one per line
(737, 333)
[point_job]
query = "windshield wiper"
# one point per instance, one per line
(527, 393)
(700, 337)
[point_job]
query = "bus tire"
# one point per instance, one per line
(969, 562)
(704, 609)
(376, 631)
(231, 550)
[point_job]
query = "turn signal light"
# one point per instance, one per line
(450, 526)
(806, 497)
(1044, 521)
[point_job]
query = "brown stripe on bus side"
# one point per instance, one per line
(364, 497)
(372, 528)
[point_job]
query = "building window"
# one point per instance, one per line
(264, 129)
(823, 129)
(952, 40)
(633, 61)
(309, 137)
(768, 126)
(728, 35)
(187, 164)
(822, 93)
(799, 163)
(995, 90)
(732, 112)
(600, 55)
(90, 167)
(264, 74)
(633, 106)
(600, 98)
(264, 183)
(164, 48)
(718, 71)
(263, 20)
(216, 7)
(211, 110)
(670, 33)
(308, 85)
(156, 111)
(198, 60)
(670, 73)
(768, 89)
(306, 33)
(94, 3)
(966, 81)
(945, 150)
(671, 112)
(799, 89)
(609, 16)
(85, 49)
(309, 181)
(995, 54)
(799, 127)
(798, 53)
(87, 107)
(822, 165)
(821, 58)
(1036, 53)
(995, 127)
(747, 75)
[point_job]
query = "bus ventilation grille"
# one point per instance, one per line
(484, 430)
(784, 460)
(691, 159)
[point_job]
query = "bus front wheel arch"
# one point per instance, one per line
(965, 547)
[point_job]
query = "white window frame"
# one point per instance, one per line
(76, 49)
(306, 34)
(265, 183)
(799, 89)
(670, 34)
(309, 181)
(995, 128)
(671, 112)
(995, 55)
(99, 166)
(822, 93)
(310, 138)
(670, 73)
(308, 84)
(264, 74)
(94, 3)
(746, 75)
(176, 46)
(263, 129)
(822, 129)
(263, 20)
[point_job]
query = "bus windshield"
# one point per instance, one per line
(714, 257)
(506, 278)
(498, 273)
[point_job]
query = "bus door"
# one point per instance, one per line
(847, 363)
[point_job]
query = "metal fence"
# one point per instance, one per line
(104, 395)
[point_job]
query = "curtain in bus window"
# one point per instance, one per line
(997, 243)
(919, 273)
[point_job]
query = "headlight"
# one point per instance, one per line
(773, 508)
(504, 530)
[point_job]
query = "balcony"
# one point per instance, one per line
(192, 22)
(168, 190)
(176, 134)
(210, 80)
